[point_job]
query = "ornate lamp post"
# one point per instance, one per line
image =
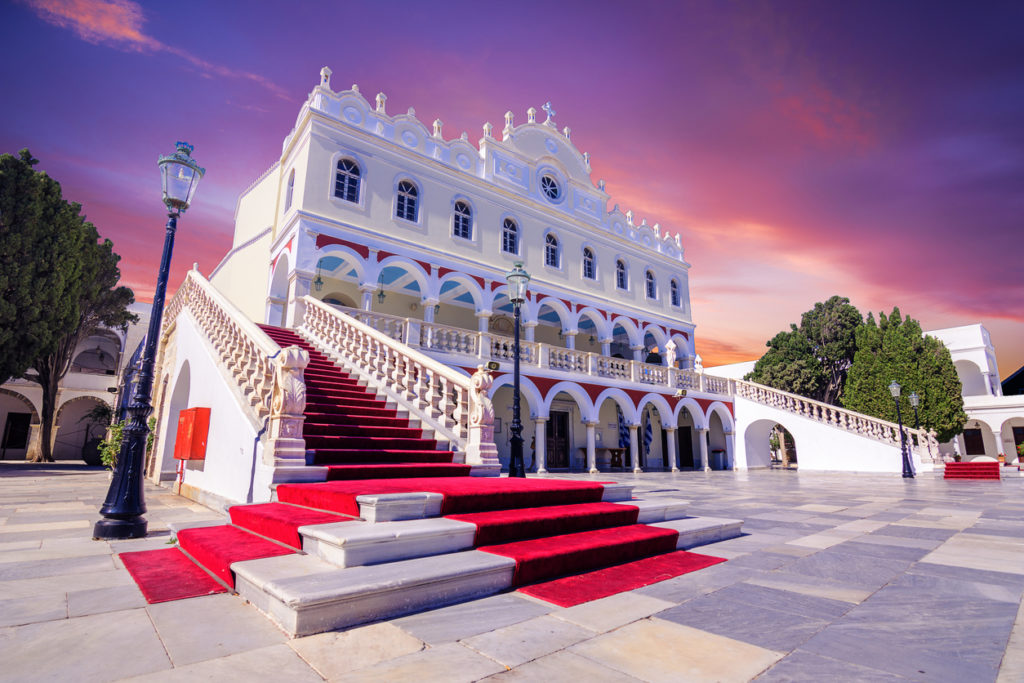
(518, 279)
(122, 510)
(908, 472)
(914, 401)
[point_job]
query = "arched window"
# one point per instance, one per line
(406, 206)
(346, 180)
(589, 268)
(510, 237)
(290, 191)
(674, 292)
(462, 221)
(620, 274)
(551, 251)
(652, 286)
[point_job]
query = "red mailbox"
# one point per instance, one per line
(193, 427)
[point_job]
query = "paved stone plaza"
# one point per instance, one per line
(839, 577)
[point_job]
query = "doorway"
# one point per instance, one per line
(15, 435)
(558, 440)
(685, 448)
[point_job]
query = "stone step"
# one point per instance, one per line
(373, 541)
(305, 595)
(695, 531)
(352, 544)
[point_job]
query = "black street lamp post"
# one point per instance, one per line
(122, 510)
(908, 472)
(914, 401)
(518, 279)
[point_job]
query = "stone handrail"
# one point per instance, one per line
(490, 346)
(269, 379)
(847, 420)
(457, 404)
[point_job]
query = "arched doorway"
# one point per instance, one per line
(769, 444)
(530, 404)
(18, 419)
(79, 427)
(615, 412)
(568, 408)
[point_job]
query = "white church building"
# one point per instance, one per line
(387, 243)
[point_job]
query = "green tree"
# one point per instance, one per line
(39, 267)
(812, 359)
(895, 348)
(99, 302)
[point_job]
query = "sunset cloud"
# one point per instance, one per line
(118, 24)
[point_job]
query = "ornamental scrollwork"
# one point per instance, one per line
(289, 395)
(481, 411)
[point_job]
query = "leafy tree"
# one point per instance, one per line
(39, 244)
(99, 303)
(895, 348)
(812, 359)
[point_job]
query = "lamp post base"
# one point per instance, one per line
(117, 529)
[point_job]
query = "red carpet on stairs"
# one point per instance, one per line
(167, 574)
(972, 470)
(281, 522)
(580, 588)
(504, 526)
(217, 547)
(351, 426)
(546, 558)
(461, 494)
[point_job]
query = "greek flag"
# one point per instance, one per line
(623, 428)
(648, 436)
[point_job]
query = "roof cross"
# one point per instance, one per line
(549, 111)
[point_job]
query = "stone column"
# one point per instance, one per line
(606, 347)
(702, 437)
(483, 320)
(540, 444)
(366, 292)
(638, 352)
(570, 338)
(298, 287)
(428, 310)
(591, 447)
(529, 328)
(730, 453)
(670, 441)
(634, 447)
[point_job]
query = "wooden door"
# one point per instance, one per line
(685, 447)
(558, 440)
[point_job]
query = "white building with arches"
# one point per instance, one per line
(388, 220)
(97, 368)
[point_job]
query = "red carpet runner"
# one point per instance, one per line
(551, 528)
(167, 574)
(971, 470)
(575, 590)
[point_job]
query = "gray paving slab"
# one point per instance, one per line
(470, 618)
(528, 640)
(806, 667)
(101, 600)
(46, 607)
(768, 628)
(849, 568)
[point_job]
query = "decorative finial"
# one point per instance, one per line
(566, 131)
(411, 112)
(657, 229)
(355, 87)
(437, 127)
(325, 77)
(550, 120)
(487, 129)
(464, 136)
(600, 185)
(508, 125)
(381, 99)
(629, 216)
(586, 159)
(643, 222)
(531, 115)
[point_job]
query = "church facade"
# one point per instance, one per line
(412, 233)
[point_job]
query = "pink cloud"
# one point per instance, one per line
(118, 23)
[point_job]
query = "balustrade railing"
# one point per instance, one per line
(241, 346)
(489, 346)
(446, 398)
(847, 420)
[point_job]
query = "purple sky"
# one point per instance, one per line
(801, 149)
